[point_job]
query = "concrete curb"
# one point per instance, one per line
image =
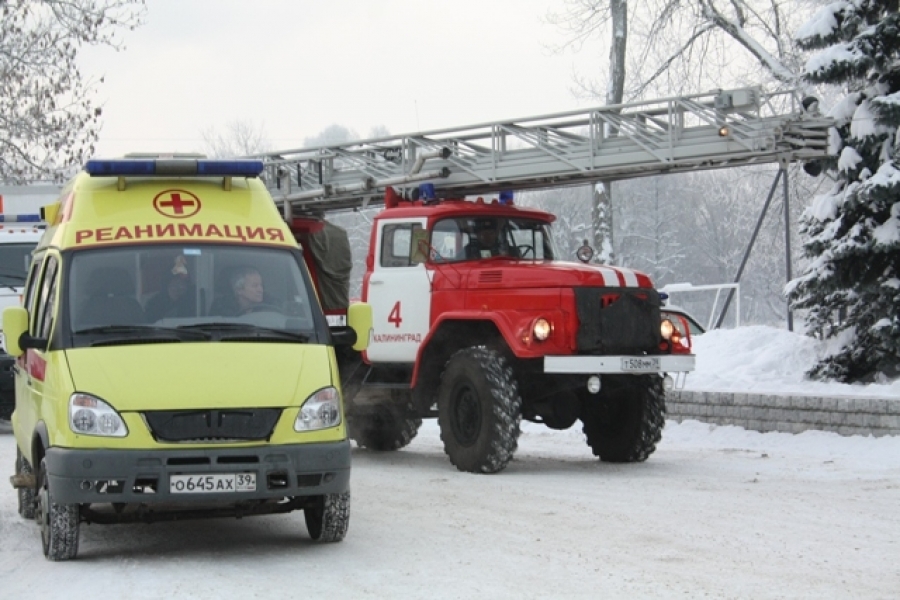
(790, 414)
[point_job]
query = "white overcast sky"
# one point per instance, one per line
(294, 67)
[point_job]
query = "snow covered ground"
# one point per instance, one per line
(766, 360)
(716, 512)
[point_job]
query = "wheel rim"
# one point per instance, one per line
(465, 416)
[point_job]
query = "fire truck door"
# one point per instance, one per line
(399, 291)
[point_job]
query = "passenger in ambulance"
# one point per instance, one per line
(173, 301)
(248, 294)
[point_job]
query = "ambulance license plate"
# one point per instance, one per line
(639, 364)
(213, 483)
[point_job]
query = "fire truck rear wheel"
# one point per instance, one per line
(382, 429)
(625, 421)
(479, 410)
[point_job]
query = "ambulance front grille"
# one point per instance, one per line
(234, 424)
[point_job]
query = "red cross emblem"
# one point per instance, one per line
(176, 204)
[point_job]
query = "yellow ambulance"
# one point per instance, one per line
(172, 359)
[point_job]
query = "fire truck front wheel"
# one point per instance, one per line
(479, 410)
(624, 422)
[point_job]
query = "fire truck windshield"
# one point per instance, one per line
(481, 237)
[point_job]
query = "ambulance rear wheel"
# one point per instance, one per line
(479, 410)
(382, 429)
(59, 522)
(328, 519)
(26, 494)
(624, 422)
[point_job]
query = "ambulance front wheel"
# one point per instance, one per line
(328, 519)
(59, 522)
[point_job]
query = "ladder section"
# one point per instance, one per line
(705, 131)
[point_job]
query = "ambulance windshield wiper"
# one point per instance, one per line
(247, 331)
(176, 334)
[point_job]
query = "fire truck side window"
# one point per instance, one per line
(397, 244)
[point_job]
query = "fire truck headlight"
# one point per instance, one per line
(667, 328)
(541, 329)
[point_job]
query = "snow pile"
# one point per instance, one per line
(763, 360)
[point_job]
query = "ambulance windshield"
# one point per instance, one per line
(165, 290)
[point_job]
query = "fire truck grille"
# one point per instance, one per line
(212, 425)
(617, 321)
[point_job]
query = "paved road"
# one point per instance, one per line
(713, 515)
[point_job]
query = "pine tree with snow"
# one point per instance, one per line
(851, 287)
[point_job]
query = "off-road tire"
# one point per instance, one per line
(329, 518)
(59, 523)
(624, 422)
(27, 495)
(382, 428)
(479, 410)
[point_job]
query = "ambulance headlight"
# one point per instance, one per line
(321, 410)
(89, 415)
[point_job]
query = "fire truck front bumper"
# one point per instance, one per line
(598, 365)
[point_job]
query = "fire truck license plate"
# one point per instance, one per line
(640, 364)
(205, 484)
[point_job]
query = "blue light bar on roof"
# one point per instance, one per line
(173, 167)
(20, 218)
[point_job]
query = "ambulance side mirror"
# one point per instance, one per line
(359, 318)
(15, 331)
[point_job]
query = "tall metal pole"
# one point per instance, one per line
(787, 240)
(759, 222)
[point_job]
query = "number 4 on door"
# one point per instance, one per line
(394, 317)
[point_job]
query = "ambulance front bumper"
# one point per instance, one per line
(600, 365)
(150, 476)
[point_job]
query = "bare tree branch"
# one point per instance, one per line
(49, 120)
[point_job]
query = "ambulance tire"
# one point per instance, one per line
(479, 410)
(624, 422)
(382, 429)
(59, 523)
(328, 519)
(26, 494)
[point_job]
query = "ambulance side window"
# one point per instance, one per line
(46, 299)
(34, 277)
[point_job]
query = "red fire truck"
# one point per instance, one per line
(479, 323)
